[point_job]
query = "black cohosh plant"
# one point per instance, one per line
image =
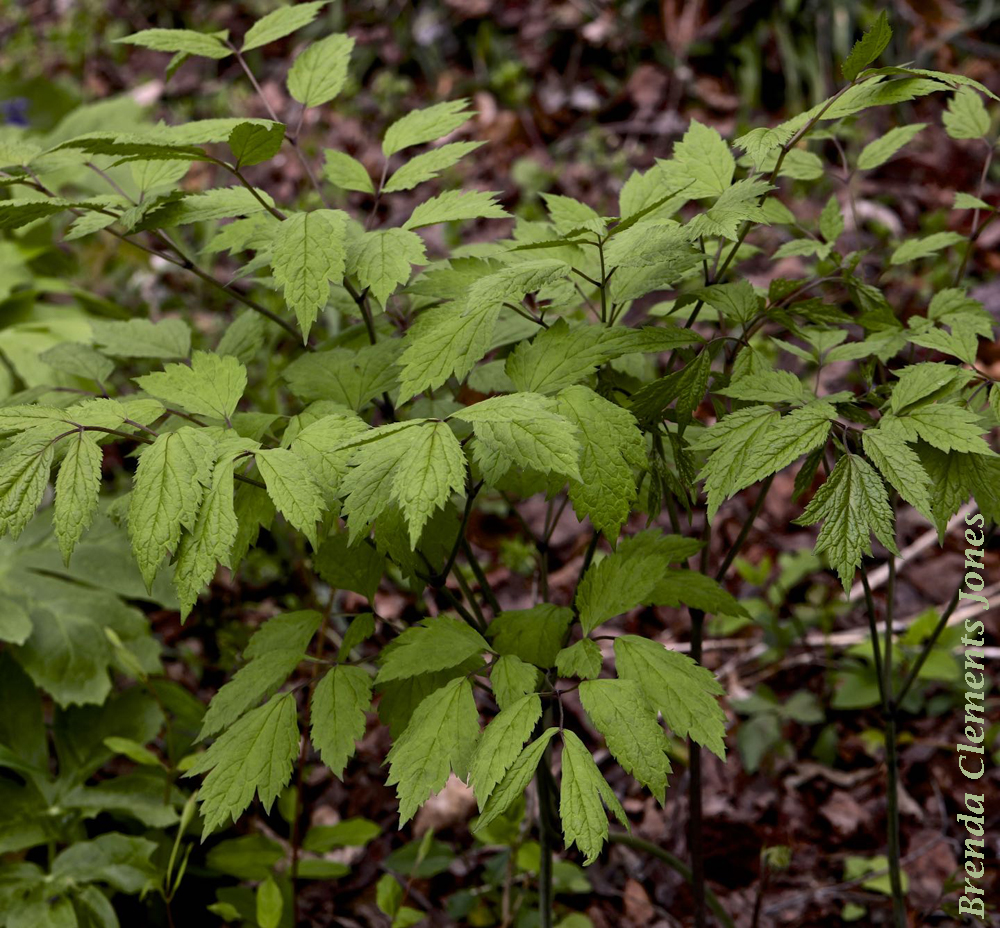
(416, 384)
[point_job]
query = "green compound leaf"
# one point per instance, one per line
(621, 713)
(183, 41)
(211, 386)
(584, 821)
(425, 125)
(705, 161)
(308, 252)
(140, 338)
(516, 780)
(501, 744)
(252, 144)
(624, 580)
(429, 165)
(513, 678)
(525, 429)
(683, 692)
(381, 260)
(533, 635)
(966, 116)
(338, 713)
(254, 756)
(878, 152)
(77, 488)
(582, 659)
(274, 651)
(901, 467)
(293, 489)
(945, 427)
(208, 544)
(853, 504)
(169, 485)
(440, 738)
(417, 465)
(320, 72)
(435, 644)
(281, 22)
(454, 206)
(346, 172)
(612, 449)
(867, 48)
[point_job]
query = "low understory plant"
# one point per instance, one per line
(374, 392)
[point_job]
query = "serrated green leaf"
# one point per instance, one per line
(437, 643)
(831, 221)
(621, 713)
(425, 125)
(516, 780)
(584, 821)
(612, 447)
(676, 587)
(308, 252)
(428, 165)
(211, 386)
(208, 544)
(916, 248)
(344, 566)
(683, 692)
(381, 260)
(77, 487)
(901, 467)
(867, 48)
(447, 340)
(338, 715)
(253, 144)
(569, 215)
(624, 580)
(704, 159)
(946, 427)
(737, 204)
(254, 756)
(169, 484)
(513, 678)
(525, 428)
(79, 360)
(878, 152)
(920, 381)
(853, 505)
(533, 635)
(454, 206)
(766, 386)
(346, 172)
(582, 659)
(185, 41)
(281, 22)
(966, 116)
(140, 338)
(320, 72)
(501, 744)
(440, 738)
(348, 378)
(293, 489)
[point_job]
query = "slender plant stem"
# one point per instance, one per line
(873, 631)
(892, 759)
(734, 549)
(547, 830)
(932, 639)
(676, 864)
(695, 812)
(482, 579)
(296, 837)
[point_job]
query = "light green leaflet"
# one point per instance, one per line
(853, 504)
(583, 788)
(440, 738)
(254, 756)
